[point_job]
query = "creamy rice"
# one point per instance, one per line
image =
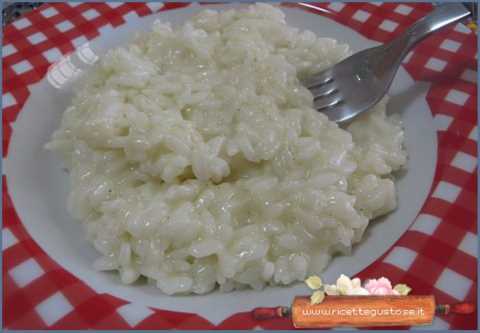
(197, 160)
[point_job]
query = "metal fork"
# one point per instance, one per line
(360, 81)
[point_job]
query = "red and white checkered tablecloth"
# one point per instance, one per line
(440, 245)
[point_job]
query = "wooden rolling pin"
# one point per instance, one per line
(362, 311)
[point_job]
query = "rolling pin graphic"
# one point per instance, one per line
(358, 311)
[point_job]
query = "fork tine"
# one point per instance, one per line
(319, 79)
(324, 90)
(331, 100)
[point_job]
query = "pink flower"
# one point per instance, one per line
(381, 286)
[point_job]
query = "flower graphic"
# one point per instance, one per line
(402, 289)
(381, 286)
(315, 283)
(346, 286)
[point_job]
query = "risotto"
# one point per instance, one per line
(196, 159)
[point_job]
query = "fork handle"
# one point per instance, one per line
(392, 53)
(440, 17)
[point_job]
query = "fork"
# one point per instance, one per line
(358, 82)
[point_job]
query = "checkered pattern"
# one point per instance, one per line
(439, 247)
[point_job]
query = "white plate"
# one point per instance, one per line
(39, 187)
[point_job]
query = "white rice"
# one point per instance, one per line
(196, 159)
